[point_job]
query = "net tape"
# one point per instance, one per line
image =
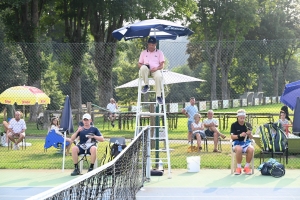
(121, 178)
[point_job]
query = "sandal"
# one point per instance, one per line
(200, 148)
(223, 137)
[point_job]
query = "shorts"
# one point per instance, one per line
(243, 144)
(202, 134)
(16, 134)
(190, 126)
(209, 133)
(82, 151)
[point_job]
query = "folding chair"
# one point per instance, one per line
(55, 140)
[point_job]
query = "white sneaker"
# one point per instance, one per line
(5, 145)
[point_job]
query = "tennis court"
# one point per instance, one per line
(124, 177)
(206, 184)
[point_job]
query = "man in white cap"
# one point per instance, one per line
(241, 135)
(151, 62)
(89, 136)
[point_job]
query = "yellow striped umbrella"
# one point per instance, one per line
(24, 95)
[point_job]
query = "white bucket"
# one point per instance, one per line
(193, 163)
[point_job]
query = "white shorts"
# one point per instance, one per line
(243, 144)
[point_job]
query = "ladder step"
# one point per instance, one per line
(158, 138)
(160, 150)
(151, 126)
(148, 102)
(150, 114)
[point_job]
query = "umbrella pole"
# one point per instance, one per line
(64, 152)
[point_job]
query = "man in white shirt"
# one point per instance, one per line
(16, 128)
(112, 107)
(211, 124)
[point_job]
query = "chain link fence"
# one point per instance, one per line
(237, 74)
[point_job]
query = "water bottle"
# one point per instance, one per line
(160, 165)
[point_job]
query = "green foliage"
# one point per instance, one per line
(50, 86)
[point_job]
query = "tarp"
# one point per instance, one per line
(169, 78)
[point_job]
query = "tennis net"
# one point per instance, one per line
(119, 179)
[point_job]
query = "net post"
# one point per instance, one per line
(148, 165)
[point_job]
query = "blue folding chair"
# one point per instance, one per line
(55, 140)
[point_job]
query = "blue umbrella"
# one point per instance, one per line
(290, 94)
(161, 29)
(66, 123)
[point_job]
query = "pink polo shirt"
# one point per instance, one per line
(152, 58)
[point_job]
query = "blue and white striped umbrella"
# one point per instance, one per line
(158, 28)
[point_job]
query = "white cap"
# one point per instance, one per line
(86, 116)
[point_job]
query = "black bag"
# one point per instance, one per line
(156, 172)
(272, 168)
(115, 149)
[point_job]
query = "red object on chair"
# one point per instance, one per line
(286, 126)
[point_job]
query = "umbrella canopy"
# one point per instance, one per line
(290, 94)
(24, 95)
(169, 78)
(66, 123)
(161, 29)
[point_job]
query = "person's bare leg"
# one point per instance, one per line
(190, 136)
(75, 151)
(238, 154)
(69, 146)
(21, 137)
(93, 151)
(11, 138)
(216, 136)
(249, 154)
(198, 141)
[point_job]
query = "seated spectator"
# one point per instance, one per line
(8, 114)
(241, 135)
(16, 128)
(211, 124)
(54, 126)
(112, 108)
(284, 121)
(286, 111)
(198, 130)
(89, 136)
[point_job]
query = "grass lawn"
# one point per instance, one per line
(34, 156)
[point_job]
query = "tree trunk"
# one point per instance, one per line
(77, 51)
(104, 56)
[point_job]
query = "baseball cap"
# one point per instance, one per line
(86, 116)
(152, 40)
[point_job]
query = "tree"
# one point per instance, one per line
(75, 15)
(107, 16)
(21, 19)
(221, 21)
(278, 28)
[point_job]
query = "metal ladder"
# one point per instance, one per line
(160, 130)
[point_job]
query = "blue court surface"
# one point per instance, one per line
(183, 185)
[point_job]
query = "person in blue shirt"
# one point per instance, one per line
(189, 111)
(88, 136)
